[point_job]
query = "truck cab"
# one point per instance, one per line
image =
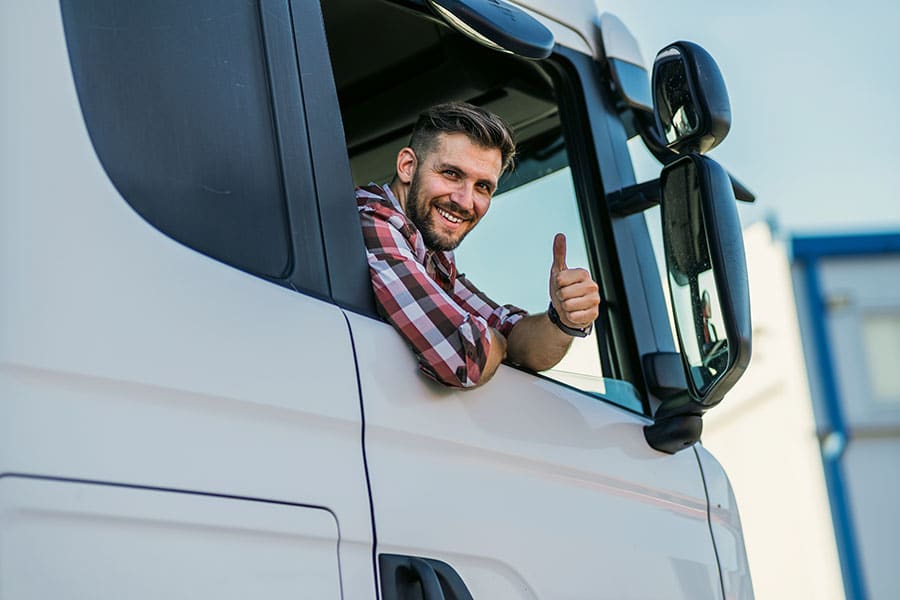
(199, 397)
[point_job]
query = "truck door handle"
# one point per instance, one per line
(403, 576)
(431, 587)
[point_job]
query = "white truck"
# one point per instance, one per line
(197, 396)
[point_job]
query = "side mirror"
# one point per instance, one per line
(690, 100)
(707, 275)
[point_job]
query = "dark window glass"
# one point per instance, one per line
(176, 99)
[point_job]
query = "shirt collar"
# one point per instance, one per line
(443, 260)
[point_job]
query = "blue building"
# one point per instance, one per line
(847, 289)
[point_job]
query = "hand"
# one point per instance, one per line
(573, 293)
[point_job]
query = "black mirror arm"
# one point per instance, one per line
(634, 199)
(652, 138)
(678, 421)
(741, 192)
(677, 424)
(657, 147)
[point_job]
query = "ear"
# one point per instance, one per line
(406, 165)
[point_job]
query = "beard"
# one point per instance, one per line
(418, 209)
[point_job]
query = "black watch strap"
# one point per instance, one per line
(574, 332)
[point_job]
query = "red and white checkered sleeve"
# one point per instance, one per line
(502, 318)
(451, 344)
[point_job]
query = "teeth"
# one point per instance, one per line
(448, 216)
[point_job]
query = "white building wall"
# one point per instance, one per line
(764, 435)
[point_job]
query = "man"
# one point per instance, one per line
(443, 186)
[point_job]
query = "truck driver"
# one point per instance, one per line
(442, 188)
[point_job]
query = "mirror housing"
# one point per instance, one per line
(707, 273)
(693, 113)
(497, 24)
(707, 270)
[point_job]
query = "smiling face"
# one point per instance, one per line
(449, 189)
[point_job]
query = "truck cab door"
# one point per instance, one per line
(527, 487)
(534, 485)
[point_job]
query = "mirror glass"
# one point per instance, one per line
(674, 101)
(692, 283)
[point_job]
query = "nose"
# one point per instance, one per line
(464, 196)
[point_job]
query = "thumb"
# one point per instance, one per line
(559, 252)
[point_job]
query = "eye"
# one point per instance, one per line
(451, 173)
(486, 188)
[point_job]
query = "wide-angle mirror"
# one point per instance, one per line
(693, 112)
(707, 275)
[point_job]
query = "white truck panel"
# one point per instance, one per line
(128, 358)
(91, 542)
(725, 522)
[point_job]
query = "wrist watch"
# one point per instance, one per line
(573, 331)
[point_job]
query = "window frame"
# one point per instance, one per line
(635, 314)
(345, 253)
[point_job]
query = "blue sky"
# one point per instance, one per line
(815, 95)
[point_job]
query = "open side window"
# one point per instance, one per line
(509, 254)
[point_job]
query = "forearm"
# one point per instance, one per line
(537, 344)
(496, 355)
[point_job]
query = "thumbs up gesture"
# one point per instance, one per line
(573, 293)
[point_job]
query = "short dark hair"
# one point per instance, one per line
(482, 127)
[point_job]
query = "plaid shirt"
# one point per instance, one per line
(438, 312)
